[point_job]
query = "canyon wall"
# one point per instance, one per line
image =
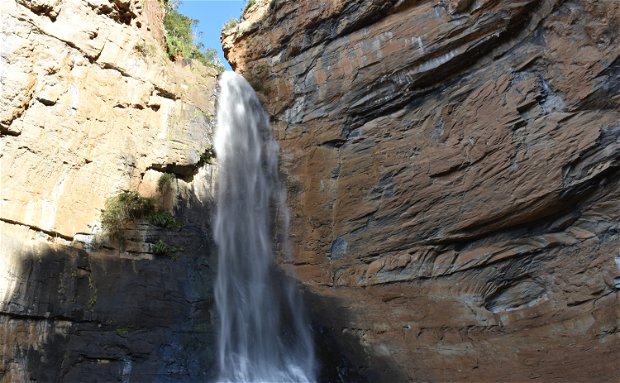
(91, 106)
(453, 175)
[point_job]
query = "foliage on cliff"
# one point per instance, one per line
(128, 206)
(122, 208)
(180, 39)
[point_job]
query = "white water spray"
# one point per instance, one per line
(263, 333)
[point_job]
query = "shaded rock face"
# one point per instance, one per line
(453, 175)
(91, 106)
(77, 316)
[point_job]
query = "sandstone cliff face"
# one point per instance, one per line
(453, 174)
(90, 106)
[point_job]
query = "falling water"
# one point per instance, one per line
(263, 334)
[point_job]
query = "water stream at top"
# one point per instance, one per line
(263, 333)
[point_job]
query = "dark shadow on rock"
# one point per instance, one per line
(78, 316)
(341, 358)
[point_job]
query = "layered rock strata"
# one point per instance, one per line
(453, 175)
(91, 106)
(90, 102)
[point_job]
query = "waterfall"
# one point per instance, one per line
(263, 333)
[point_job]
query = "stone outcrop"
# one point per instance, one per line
(92, 106)
(453, 176)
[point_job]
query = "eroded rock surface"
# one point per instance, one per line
(91, 106)
(90, 102)
(453, 175)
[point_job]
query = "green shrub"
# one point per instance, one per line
(230, 24)
(207, 156)
(165, 182)
(123, 208)
(164, 219)
(122, 331)
(249, 4)
(160, 248)
(180, 40)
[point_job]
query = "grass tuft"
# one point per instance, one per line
(165, 182)
(122, 208)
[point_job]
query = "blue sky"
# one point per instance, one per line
(211, 16)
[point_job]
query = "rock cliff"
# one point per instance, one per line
(453, 176)
(91, 106)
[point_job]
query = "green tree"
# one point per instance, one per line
(181, 41)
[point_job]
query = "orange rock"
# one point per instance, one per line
(453, 167)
